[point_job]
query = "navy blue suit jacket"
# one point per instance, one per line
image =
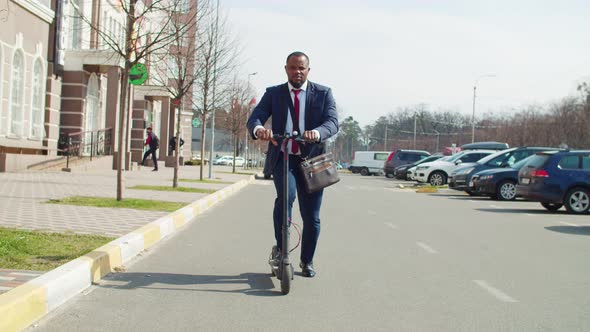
(320, 115)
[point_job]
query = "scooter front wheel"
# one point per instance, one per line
(286, 278)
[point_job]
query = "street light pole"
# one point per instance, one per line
(212, 149)
(247, 134)
(473, 115)
(415, 131)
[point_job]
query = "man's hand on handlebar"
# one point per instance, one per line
(311, 135)
(265, 135)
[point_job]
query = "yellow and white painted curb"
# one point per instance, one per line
(24, 305)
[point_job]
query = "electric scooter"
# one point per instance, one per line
(284, 271)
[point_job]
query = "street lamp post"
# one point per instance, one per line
(473, 115)
(247, 134)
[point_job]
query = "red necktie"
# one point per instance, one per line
(294, 146)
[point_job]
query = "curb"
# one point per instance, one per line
(25, 304)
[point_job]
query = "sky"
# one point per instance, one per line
(379, 55)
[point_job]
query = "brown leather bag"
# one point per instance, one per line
(319, 172)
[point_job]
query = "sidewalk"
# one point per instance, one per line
(23, 198)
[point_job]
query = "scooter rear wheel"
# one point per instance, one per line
(286, 278)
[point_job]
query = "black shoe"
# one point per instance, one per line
(275, 256)
(307, 269)
(154, 170)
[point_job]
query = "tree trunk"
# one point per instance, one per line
(235, 152)
(177, 145)
(122, 116)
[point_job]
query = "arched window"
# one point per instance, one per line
(37, 102)
(16, 93)
(92, 107)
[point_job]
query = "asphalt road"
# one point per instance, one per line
(388, 259)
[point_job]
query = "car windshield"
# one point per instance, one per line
(456, 156)
(484, 160)
(518, 165)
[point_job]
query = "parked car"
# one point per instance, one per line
(497, 183)
(485, 146)
(368, 162)
(556, 179)
(460, 178)
(401, 172)
(229, 161)
(402, 157)
(437, 172)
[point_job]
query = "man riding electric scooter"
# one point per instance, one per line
(304, 107)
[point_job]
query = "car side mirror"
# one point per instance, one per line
(458, 162)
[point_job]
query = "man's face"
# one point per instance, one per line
(297, 69)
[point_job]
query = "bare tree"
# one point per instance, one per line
(177, 66)
(146, 33)
(240, 100)
(215, 61)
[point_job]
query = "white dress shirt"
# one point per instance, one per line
(289, 127)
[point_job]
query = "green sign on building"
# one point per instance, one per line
(138, 74)
(196, 122)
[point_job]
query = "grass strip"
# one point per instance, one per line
(128, 203)
(179, 189)
(41, 251)
(205, 181)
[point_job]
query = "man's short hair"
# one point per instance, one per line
(297, 53)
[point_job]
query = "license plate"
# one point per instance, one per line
(526, 181)
(471, 183)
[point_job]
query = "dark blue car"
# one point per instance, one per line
(497, 183)
(556, 179)
(461, 177)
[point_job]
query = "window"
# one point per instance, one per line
(569, 162)
(36, 130)
(16, 94)
(76, 24)
(92, 109)
(381, 156)
(586, 162)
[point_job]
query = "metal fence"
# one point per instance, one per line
(86, 144)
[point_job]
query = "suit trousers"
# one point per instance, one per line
(309, 206)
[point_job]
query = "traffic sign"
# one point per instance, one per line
(138, 74)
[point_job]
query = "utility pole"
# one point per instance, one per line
(213, 96)
(385, 140)
(414, 131)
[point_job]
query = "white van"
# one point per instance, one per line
(369, 162)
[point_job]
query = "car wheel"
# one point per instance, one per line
(506, 191)
(552, 206)
(230, 164)
(577, 201)
(364, 172)
(389, 175)
(437, 179)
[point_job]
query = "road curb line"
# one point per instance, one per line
(25, 304)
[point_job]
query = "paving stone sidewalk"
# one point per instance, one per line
(23, 196)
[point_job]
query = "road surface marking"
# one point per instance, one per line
(426, 247)
(7, 278)
(529, 214)
(568, 224)
(494, 291)
(495, 206)
(390, 225)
